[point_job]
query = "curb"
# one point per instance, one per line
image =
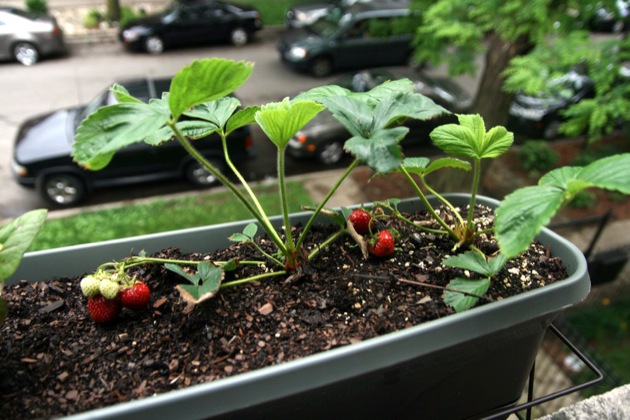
(110, 35)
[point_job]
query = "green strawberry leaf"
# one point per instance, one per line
(423, 166)
(469, 138)
(114, 127)
(476, 262)
(218, 111)
(193, 278)
(241, 119)
(522, 214)
(205, 282)
(15, 239)
(382, 151)
(404, 105)
(463, 301)
(122, 95)
(230, 265)
(353, 112)
(206, 80)
(281, 120)
(610, 173)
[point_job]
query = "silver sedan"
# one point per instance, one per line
(27, 36)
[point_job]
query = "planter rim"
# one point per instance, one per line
(385, 351)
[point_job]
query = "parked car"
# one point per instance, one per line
(41, 155)
(27, 36)
(369, 35)
(323, 137)
(539, 115)
(616, 20)
(304, 14)
(191, 22)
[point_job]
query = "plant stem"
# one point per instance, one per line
(283, 201)
(426, 203)
(253, 278)
(321, 205)
(330, 240)
(264, 222)
(473, 194)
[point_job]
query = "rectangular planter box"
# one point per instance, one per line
(463, 366)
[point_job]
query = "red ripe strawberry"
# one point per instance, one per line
(103, 310)
(381, 244)
(361, 220)
(136, 297)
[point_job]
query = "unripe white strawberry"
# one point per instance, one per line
(109, 289)
(90, 286)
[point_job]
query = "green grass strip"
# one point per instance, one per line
(159, 216)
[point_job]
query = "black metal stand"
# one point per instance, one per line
(530, 391)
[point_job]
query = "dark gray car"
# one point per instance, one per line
(27, 36)
(370, 35)
(323, 137)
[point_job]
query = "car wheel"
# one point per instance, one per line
(26, 53)
(63, 189)
(552, 130)
(199, 176)
(239, 37)
(321, 67)
(331, 153)
(154, 45)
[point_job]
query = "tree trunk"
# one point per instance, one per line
(491, 102)
(113, 10)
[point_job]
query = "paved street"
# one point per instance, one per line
(77, 78)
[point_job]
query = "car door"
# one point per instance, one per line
(217, 21)
(187, 28)
(369, 43)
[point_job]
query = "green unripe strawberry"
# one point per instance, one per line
(90, 286)
(109, 289)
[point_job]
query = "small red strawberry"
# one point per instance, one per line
(361, 221)
(103, 310)
(381, 244)
(136, 297)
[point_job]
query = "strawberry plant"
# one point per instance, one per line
(15, 239)
(199, 104)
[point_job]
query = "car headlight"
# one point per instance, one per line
(18, 169)
(527, 113)
(130, 35)
(297, 53)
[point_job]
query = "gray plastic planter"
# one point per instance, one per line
(463, 366)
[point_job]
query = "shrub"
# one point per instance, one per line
(38, 6)
(537, 155)
(127, 14)
(93, 19)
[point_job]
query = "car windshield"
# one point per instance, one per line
(102, 99)
(329, 25)
(23, 13)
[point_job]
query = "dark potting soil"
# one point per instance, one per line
(54, 360)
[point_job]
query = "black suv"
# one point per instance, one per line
(41, 156)
(367, 35)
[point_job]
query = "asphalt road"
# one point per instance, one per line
(77, 78)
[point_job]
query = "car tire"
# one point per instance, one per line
(331, 153)
(63, 190)
(26, 53)
(199, 176)
(321, 67)
(154, 45)
(552, 130)
(239, 37)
